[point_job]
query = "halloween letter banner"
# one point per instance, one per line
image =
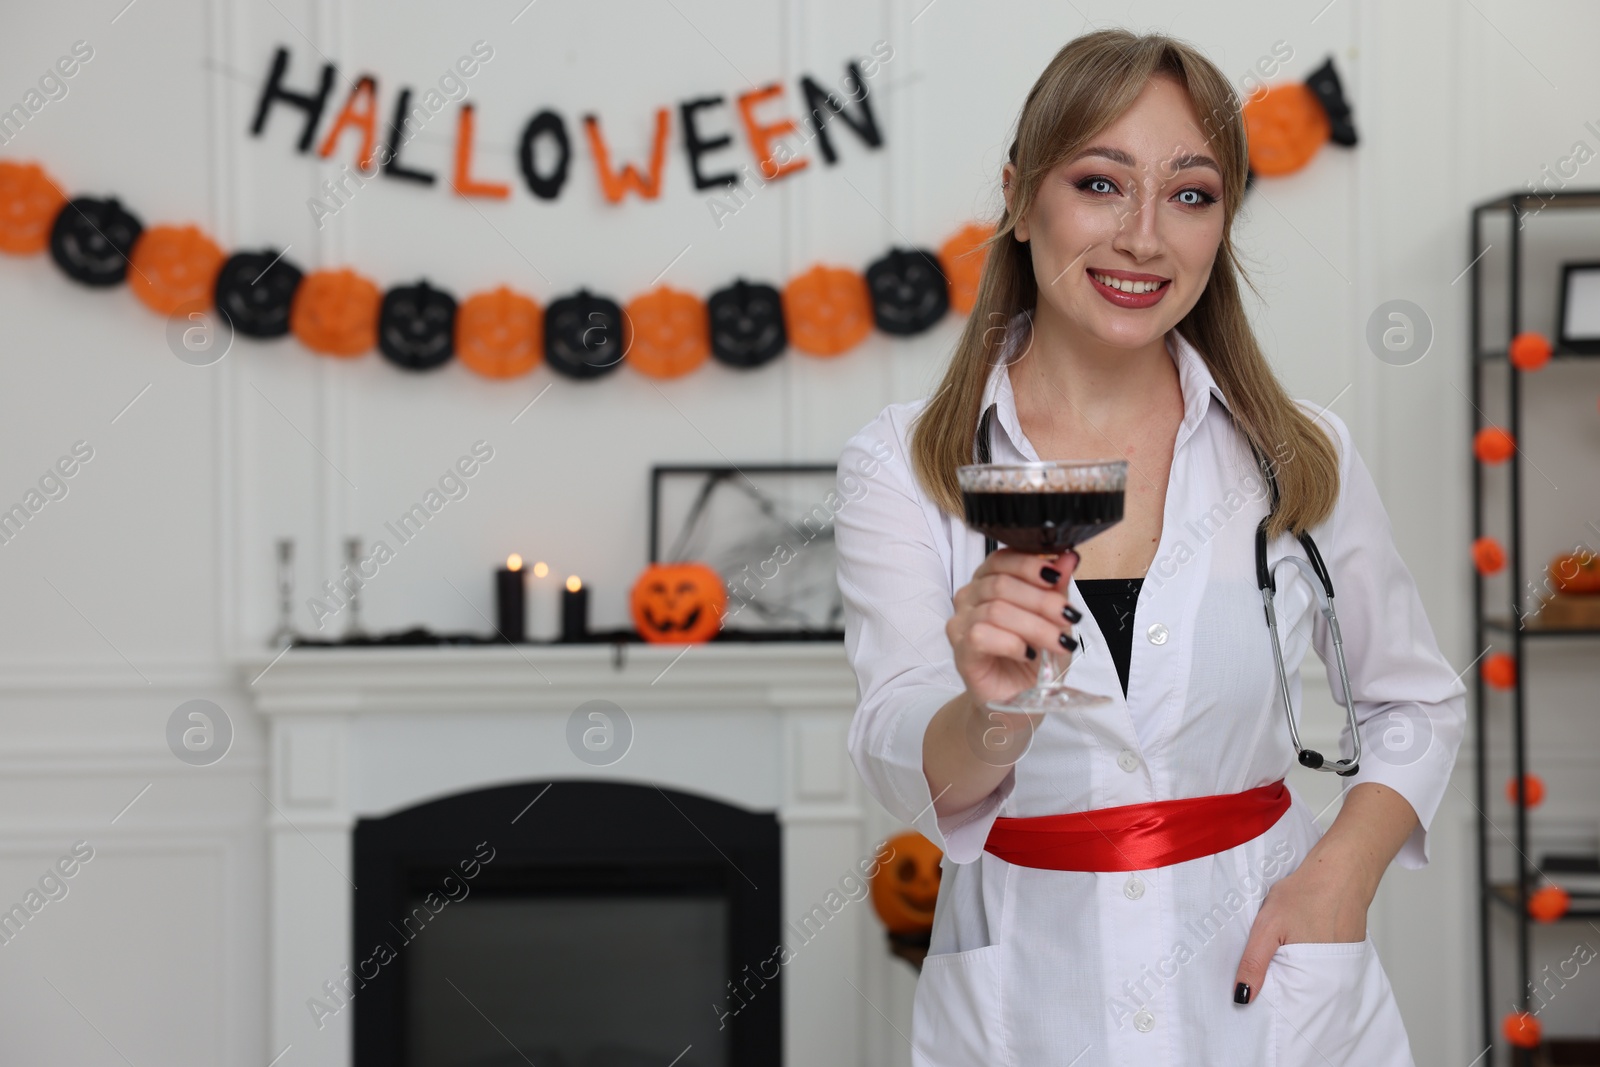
(174, 268)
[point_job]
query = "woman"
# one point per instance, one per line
(1109, 324)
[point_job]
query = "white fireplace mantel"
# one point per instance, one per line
(365, 732)
(721, 676)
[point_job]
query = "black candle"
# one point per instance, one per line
(509, 599)
(574, 611)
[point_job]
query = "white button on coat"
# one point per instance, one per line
(1027, 967)
(1134, 888)
(1143, 1021)
(1157, 634)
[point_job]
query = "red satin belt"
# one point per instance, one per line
(1139, 837)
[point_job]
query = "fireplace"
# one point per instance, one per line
(566, 924)
(374, 753)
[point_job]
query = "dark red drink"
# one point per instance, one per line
(1045, 521)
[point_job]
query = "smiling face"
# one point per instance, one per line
(1123, 234)
(905, 890)
(678, 603)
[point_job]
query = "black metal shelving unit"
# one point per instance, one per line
(1509, 898)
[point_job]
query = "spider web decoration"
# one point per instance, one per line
(766, 531)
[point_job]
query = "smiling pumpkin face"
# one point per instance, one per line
(906, 887)
(91, 240)
(29, 203)
(678, 603)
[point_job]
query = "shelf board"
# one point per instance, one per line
(1498, 622)
(1583, 908)
(1566, 198)
(1498, 355)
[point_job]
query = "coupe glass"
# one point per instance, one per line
(1046, 508)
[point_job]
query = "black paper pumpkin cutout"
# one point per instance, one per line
(909, 291)
(747, 326)
(255, 290)
(91, 240)
(583, 335)
(417, 326)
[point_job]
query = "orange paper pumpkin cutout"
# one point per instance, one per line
(828, 310)
(172, 266)
(906, 886)
(1493, 445)
(335, 313)
(1488, 556)
(29, 204)
(1530, 351)
(1549, 903)
(1521, 1029)
(1285, 125)
(666, 333)
(1500, 671)
(1577, 573)
(500, 334)
(962, 258)
(678, 603)
(1533, 789)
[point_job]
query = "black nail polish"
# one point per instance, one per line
(1050, 574)
(1069, 642)
(1073, 614)
(1241, 993)
(1031, 652)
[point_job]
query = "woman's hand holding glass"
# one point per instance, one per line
(1014, 607)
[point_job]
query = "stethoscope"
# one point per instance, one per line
(1316, 574)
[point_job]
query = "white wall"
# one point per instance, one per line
(130, 595)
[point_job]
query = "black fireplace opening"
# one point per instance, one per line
(567, 924)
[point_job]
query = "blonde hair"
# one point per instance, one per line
(1089, 83)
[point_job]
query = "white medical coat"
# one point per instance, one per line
(1041, 968)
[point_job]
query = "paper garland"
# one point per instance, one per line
(665, 333)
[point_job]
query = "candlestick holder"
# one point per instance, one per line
(352, 560)
(284, 635)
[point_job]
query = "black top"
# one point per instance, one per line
(1112, 601)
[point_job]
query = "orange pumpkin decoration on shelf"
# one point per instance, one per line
(666, 333)
(828, 310)
(962, 258)
(678, 603)
(1521, 1029)
(1577, 573)
(1493, 445)
(1500, 671)
(500, 334)
(1549, 903)
(29, 204)
(1533, 790)
(172, 266)
(906, 887)
(1488, 556)
(335, 313)
(1284, 125)
(1530, 351)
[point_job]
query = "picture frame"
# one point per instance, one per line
(1578, 317)
(767, 530)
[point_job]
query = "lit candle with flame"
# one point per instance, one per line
(510, 600)
(544, 609)
(575, 610)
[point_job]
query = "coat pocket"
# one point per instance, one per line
(955, 1018)
(1332, 1004)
